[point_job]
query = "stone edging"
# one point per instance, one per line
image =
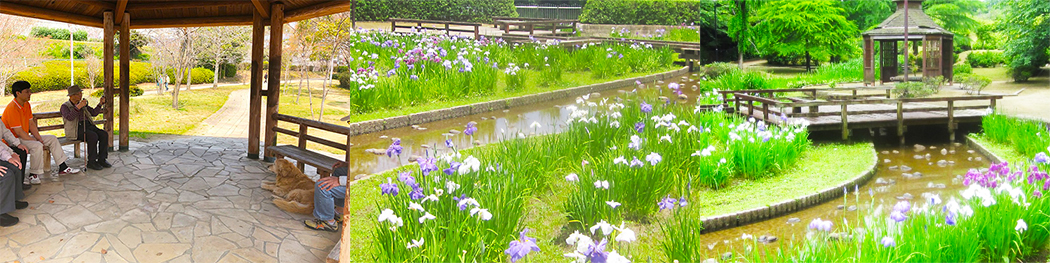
(371, 126)
(740, 218)
(982, 150)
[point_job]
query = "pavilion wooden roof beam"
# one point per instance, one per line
(122, 6)
(262, 8)
(46, 14)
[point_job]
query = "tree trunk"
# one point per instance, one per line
(808, 61)
(175, 92)
(300, 88)
(215, 81)
(324, 91)
(189, 77)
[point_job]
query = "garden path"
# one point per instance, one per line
(188, 199)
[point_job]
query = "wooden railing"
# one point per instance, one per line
(303, 134)
(55, 115)
(531, 25)
(745, 102)
(435, 25)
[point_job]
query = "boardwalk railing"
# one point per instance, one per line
(447, 26)
(531, 25)
(300, 153)
(550, 12)
(763, 105)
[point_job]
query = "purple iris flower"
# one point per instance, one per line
(427, 165)
(636, 162)
(667, 203)
(951, 217)
(394, 149)
(407, 178)
(452, 168)
(646, 108)
(1042, 158)
(413, 77)
(898, 216)
(389, 188)
(416, 193)
(471, 128)
(902, 206)
(638, 127)
(621, 55)
(597, 252)
(888, 242)
(682, 202)
(448, 143)
(521, 246)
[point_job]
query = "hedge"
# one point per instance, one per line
(453, 10)
(58, 33)
(54, 75)
(644, 12)
(985, 59)
(198, 75)
(135, 92)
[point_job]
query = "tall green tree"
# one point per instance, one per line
(816, 29)
(867, 13)
(956, 16)
(1026, 24)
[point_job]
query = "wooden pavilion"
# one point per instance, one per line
(936, 43)
(125, 15)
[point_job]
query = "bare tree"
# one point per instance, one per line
(92, 66)
(332, 44)
(174, 48)
(220, 44)
(17, 52)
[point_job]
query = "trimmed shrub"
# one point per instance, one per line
(714, 70)
(973, 83)
(985, 59)
(927, 87)
(135, 91)
(54, 75)
(198, 76)
(960, 69)
(452, 10)
(644, 12)
(58, 33)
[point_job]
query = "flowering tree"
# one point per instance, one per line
(19, 52)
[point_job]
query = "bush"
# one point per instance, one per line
(973, 83)
(228, 70)
(985, 59)
(927, 87)
(960, 69)
(58, 33)
(644, 12)
(54, 75)
(452, 10)
(198, 75)
(742, 80)
(135, 91)
(714, 70)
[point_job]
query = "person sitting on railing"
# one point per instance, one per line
(77, 119)
(326, 191)
(18, 117)
(10, 186)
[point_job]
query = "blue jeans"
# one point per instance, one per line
(324, 201)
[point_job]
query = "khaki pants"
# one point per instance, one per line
(36, 153)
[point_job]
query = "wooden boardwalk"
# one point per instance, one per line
(859, 111)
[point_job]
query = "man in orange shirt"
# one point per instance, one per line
(18, 116)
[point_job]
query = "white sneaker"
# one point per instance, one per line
(69, 170)
(34, 179)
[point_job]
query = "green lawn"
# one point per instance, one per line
(821, 167)
(1006, 152)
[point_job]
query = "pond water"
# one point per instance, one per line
(941, 174)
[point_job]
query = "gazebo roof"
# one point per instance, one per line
(918, 22)
(168, 13)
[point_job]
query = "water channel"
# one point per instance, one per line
(903, 172)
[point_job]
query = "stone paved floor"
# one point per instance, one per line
(190, 199)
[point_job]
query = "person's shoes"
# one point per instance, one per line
(8, 220)
(104, 164)
(33, 178)
(94, 166)
(318, 224)
(26, 186)
(69, 170)
(21, 204)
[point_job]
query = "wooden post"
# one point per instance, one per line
(477, 32)
(273, 89)
(992, 104)
(765, 112)
(107, 72)
(125, 80)
(900, 121)
(302, 143)
(255, 100)
(393, 26)
(951, 120)
(348, 146)
(750, 108)
(447, 32)
(845, 123)
(888, 93)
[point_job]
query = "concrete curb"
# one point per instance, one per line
(982, 150)
(744, 217)
(371, 126)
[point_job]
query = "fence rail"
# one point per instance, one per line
(550, 12)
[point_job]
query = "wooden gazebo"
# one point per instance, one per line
(936, 44)
(124, 15)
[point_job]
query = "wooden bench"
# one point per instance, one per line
(303, 156)
(65, 140)
(440, 26)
